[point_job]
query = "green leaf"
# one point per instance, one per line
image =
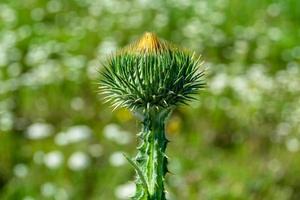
(139, 172)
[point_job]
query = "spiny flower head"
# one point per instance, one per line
(151, 73)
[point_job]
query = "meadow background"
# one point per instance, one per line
(58, 140)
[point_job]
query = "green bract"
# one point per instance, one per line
(151, 77)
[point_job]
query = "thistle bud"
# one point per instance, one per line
(151, 73)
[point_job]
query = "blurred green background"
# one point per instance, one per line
(58, 140)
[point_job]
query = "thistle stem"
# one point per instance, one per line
(151, 157)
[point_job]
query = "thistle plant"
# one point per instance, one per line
(151, 77)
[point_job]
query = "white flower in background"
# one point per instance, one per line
(3, 56)
(125, 191)
(245, 90)
(117, 159)
(274, 9)
(42, 74)
(75, 62)
(73, 134)
(39, 131)
(61, 139)
(274, 165)
(241, 47)
(78, 161)
(113, 133)
(258, 78)
(274, 33)
(92, 69)
(37, 14)
(14, 69)
(8, 39)
(53, 159)
(20, 170)
(7, 14)
(48, 189)
(54, 6)
(61, 194)
(78, 133)
(219, 83)
(292, 145)
(77, 103)
(240, 85)
(23, 32)
(36, 55)
(28, 198)
(283, 129)
(6, 121)
(95, 150)
(106, 47)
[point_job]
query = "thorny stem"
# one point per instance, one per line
(151, 157)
